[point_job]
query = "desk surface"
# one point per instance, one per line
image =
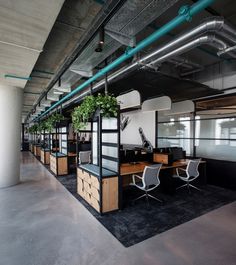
(128, 169)
(71, 154)
(95, 170)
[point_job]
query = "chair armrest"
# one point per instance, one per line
(182, 169)
(133, 178)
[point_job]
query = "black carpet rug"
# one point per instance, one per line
(137, 222)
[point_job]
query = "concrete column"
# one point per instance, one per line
(10, 134)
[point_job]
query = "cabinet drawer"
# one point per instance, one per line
(87, 187)
(95, 203)
(80, 173)
(87, 177)
(95, 182)
(53, 170)
(95, 193)
(87, 197)
(79, 186)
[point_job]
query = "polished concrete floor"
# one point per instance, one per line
(41, 223)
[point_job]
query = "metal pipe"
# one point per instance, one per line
(205, 39)
(216, 25)
(185, 13)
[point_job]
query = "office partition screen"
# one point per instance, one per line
(109, 143)
(175, 131)
(215, 137)
(63, 135)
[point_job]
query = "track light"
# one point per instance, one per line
(99, 48)
(100, 44)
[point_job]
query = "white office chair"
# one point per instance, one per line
(150, 181)
(189, 174)
(84, 157)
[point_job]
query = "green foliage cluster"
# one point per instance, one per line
(51, 122)
(42, 126)
(33, 128)
(107, 105)
(48, 125)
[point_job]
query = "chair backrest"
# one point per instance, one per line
(151, 175)
(192, 167)
(84, 157)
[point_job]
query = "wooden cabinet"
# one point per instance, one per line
(165, 159)
(103, 196)
(45, 157)
(31, 148)
(59, 165)
(37, 150)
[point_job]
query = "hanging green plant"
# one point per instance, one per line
(107, 105)
(51, 122)
(34, 128)
(42, 126)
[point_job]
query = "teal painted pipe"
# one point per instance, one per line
(17, 77)
(185, 14)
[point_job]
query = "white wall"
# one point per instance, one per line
(146, 120)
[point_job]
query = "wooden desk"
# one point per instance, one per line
(129, 169)
(70, 154)
(126, 170)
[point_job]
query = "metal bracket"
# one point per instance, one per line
(143, 65)
(226, 50)
(185, 11)
(121, 37)
(85, 73)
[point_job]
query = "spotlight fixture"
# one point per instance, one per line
(100, 44)
(99, 47)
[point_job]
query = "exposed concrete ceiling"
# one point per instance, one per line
(24, 28)
(77, 17)
(71, 24)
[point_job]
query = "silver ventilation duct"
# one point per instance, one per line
(223, 34)
(211, 40)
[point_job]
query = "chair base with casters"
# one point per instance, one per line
(188, 185)
(150, 181)
(191, 173)
(147, 196)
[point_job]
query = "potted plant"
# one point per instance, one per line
(106, 104)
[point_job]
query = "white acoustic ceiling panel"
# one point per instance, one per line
(182, 107)
(129, 100)
(157, 104)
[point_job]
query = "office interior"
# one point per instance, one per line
(118, 121)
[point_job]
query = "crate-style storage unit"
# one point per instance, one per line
(59, 159)
(98, 183)
(45, 147)
(37, 150)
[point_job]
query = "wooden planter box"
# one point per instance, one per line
(59, 164)
(45, 156)
(37, 150)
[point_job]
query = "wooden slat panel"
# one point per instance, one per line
(109, 194)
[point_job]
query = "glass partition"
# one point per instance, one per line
(216, 138)
(175, 131)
